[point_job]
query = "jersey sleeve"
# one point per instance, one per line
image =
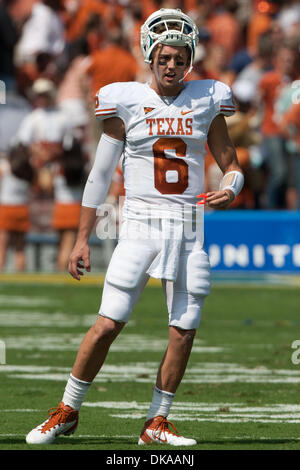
(225, 104)
(105, 105)
(113, 100)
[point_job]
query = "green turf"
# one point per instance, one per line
(251, 327)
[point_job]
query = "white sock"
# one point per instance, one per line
(75, 392)
(161, 403)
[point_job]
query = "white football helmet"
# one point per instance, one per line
(187, 33)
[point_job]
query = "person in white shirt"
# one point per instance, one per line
(161, 130)
(45, 127)
(48, 132)
(68, 178)
(42, 32)
(16, 177)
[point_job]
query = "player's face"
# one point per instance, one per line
(168, 68)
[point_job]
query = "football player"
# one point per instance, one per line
(161, 129)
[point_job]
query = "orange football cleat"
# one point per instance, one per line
(157, 431)
(62, 420)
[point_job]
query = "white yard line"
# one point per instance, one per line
(20, 318)
(209, 412)
(121, 377)
(26, 301)
(145, 372)
(214, 419)
(20, 410)
(66, 342)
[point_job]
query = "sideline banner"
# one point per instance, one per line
(253, 240)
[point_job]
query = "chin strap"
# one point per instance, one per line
(189, 71)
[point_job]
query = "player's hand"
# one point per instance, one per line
(219, 199)
(79, 260)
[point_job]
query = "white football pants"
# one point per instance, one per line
(127, 276)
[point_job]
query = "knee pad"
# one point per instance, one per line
(116, 303)
(198, 273)
(125, 279)
(186, 311)
(128, 264)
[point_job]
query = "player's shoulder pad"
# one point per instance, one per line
(116, 99)
(207, 88)
(224, 99)
(218, 94)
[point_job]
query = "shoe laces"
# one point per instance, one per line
(163, 427)
(56, 417)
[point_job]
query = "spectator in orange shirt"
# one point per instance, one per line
(273, 143)
(103, 70)
(224, 27)
(259, 24)
(78, 14)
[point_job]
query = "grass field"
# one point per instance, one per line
(240, 391)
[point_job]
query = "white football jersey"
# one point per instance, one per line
(165, 145)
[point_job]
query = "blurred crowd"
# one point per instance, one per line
(56, 54)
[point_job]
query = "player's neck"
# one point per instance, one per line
(166, 91)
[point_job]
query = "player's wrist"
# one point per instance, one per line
(82, 239)
(232, 182)
(230, 194)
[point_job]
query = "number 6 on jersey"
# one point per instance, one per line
(162, 165)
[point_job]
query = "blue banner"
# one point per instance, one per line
(253, 240)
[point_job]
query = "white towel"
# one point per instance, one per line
(169, 226)
(165, 264)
